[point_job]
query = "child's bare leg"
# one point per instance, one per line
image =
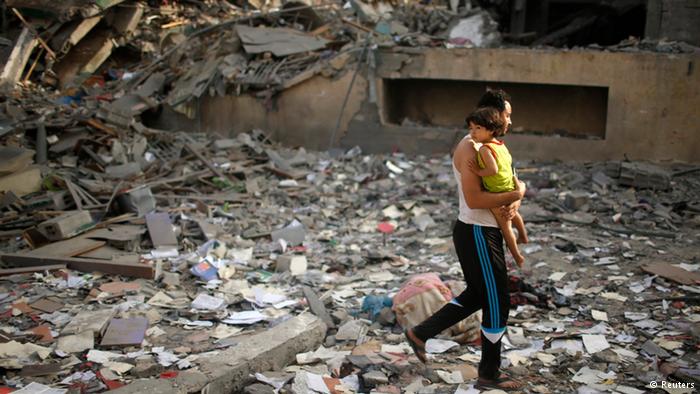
(508, 236)
(520, 226)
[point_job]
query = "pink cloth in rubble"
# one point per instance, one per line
(421, 283)
(424, 294)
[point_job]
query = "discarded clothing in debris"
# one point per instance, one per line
(421, 296)
(375, 303)
(522, 293)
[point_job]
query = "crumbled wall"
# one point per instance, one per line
(650, 105)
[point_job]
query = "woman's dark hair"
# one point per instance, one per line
(488, 118)
(495, 98)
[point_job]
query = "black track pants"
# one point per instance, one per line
(480, 253)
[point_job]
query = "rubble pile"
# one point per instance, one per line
(131, 254)
(197, 46)
(109, 48)
(146, 254)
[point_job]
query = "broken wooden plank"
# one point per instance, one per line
(35, 33)
(206, 162)
(110, 253)
(293, 174)
(160, 228)
(68, 248)
(97, 124)
(231, 197)
(196, 174)
(120, 233)
(81, 264)
(673, 273)
(29, 270)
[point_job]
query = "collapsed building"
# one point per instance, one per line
(200, 195)
(584, 79)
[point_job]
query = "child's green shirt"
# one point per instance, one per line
(503, 180)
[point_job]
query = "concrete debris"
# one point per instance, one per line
(168, 261)
(571, 311)
(478, 30)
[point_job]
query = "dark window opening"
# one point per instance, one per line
(563, 110)
(568, 23)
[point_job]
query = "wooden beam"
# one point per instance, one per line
(81, 264)
(36, 34)
(27, 270)
(206, 162)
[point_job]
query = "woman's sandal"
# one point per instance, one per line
(418, 349)
(503, 382)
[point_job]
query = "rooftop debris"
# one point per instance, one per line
(133, 253)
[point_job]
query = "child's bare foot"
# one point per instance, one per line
(522, 238)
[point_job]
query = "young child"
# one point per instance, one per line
(495, 169)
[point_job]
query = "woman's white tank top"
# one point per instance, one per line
(482, 217)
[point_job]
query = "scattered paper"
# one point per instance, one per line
(37, 388)
(437, 346)
(454, 377)
(245, 318)
(595, 343)
(207, 302)
(557, 276)
(599, 315)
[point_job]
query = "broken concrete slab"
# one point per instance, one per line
(71, 33)
(94, 321)
(84, 58)
(15, 64)
(644, 175)
(278, 41)
(77, 343)
(228, 371)
(22, 182)
(67, 225)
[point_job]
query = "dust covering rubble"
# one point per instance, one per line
(211, 241)
(131, 253)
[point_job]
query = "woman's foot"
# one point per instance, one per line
(503, 382)
(417, 345)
